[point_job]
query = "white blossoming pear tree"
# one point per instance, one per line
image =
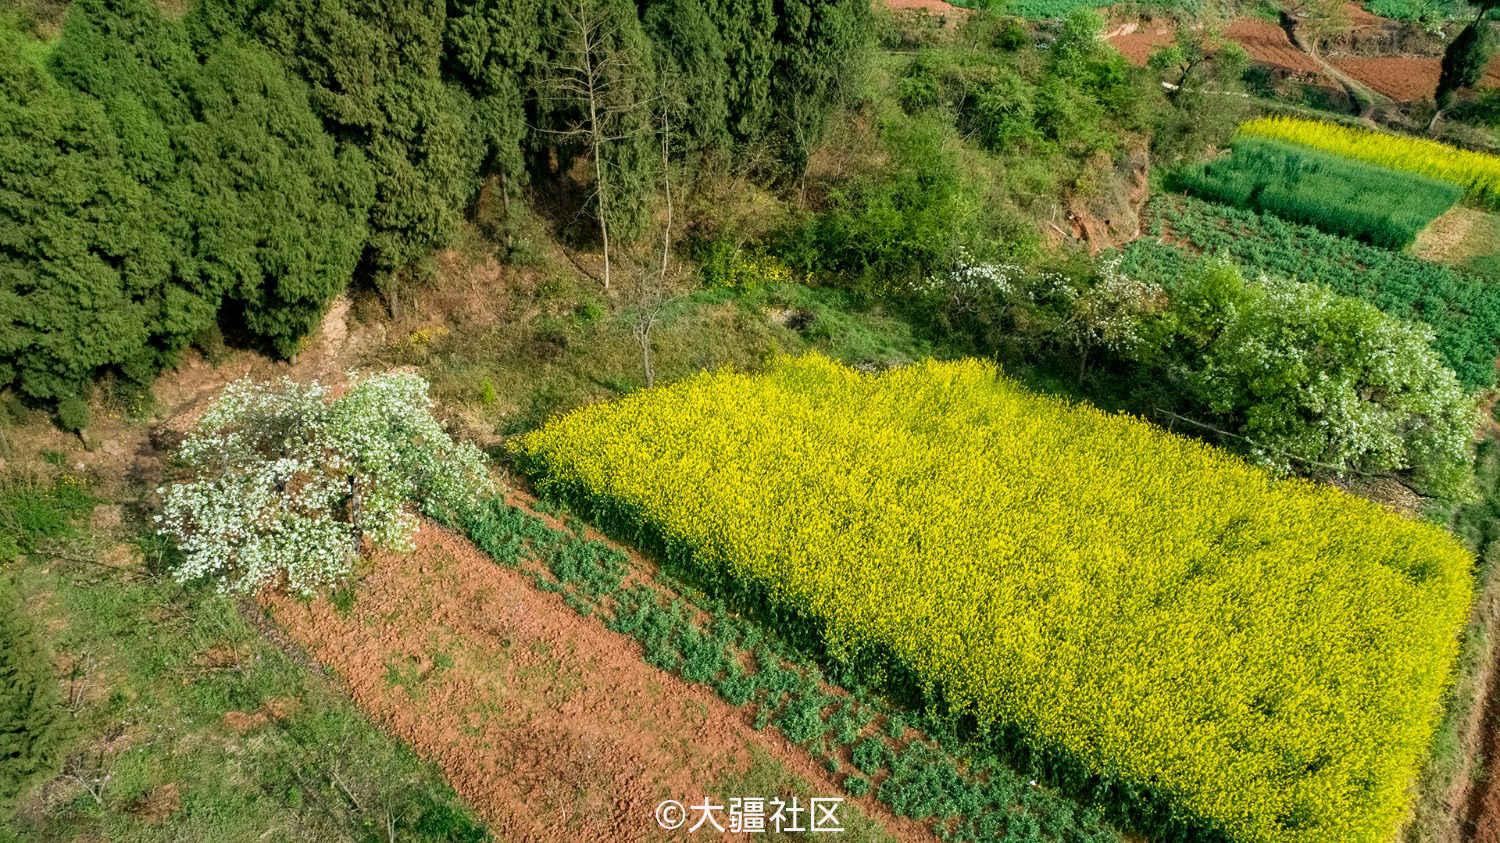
(283, 483)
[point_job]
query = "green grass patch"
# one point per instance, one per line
(197, 728)
(33, 728)
(34, 510)
(1339, 195)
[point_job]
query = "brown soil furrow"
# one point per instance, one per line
(1406, 79)
(1268, 43)
(550, 725)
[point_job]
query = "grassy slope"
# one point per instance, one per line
(555, 344)
(1456, 762)
(1465, 238)
(198, 727)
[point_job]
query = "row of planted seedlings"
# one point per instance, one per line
(885, 738)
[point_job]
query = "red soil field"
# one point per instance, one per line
(1268, 43)
(1137, 42)
(934, 7)
(552, 727)
(1359, 17)
(1405, 79)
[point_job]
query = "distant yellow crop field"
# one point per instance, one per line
(1267, 655)
(1477, 172)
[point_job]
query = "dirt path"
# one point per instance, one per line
(1474, 796)
(1458, 236)
(551, 726)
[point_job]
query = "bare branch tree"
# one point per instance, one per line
(593, 74)
(653, 296)
(92, 770)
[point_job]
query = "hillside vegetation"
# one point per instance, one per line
(947, 452)
(235, 168)
(1462, 309)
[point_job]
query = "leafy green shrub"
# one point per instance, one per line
(73, 413)
(881, 231)
(872, 755)
(1075, 100)
(1463, 309)
(803, 719)
(1313, 380)
(1339, 195)
(847, 724)
(283, 484)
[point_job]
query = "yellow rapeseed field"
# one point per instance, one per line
(1477, 172)
(1266, 654)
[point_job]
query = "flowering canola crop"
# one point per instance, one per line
(1266, 655)
(1477, 172)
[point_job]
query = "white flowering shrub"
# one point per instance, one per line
(1324, 381)
(1111, 312)
(1298, 377)
(1106, 312)
(285, 484)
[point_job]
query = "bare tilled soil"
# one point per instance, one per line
(1268, 43)
(550, 725)
(1265, 43)
(935, 7)
(1136, 42)
(1406, 79)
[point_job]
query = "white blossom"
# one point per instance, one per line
(288, 483)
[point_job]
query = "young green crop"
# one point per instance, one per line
(1340, 195)
(1477, 172)
(1266, 656)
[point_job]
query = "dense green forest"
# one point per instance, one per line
(232, 170)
